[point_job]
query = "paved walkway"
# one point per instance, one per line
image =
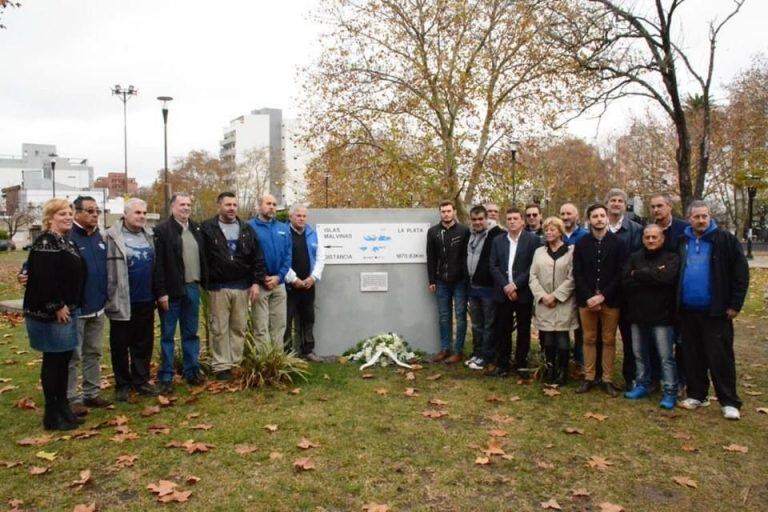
(11, 306)
(759, 261)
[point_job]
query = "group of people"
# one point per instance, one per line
(76, 276)
(671, 288)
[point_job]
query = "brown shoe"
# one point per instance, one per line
(455, 358)
(78, 409)
(97, 402)
(441, 356)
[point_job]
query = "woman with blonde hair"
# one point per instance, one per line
(551, 281)
(52, 297)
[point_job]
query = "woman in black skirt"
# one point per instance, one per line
(52, 298)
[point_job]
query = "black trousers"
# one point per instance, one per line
(301, 309)
(511, 316)
(708, 351)
(54, 374)
(131, 343)
(628, 366)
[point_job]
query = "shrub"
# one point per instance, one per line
(266, 364)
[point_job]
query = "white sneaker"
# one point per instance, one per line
(692, 403)
(470, 360)
(477, 364)
(731, 413)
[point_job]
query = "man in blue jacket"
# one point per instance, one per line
(714, 280)
(307, 262)
(269, 311)
(90, 323)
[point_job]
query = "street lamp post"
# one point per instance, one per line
(53, 173)
(751, 193)
(166, 185)
(513, 145)
(124, 95)
(327, 177)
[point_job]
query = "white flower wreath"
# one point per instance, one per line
(389, 344)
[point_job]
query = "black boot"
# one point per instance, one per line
(562, 363)
(51, 416)
(68, 416)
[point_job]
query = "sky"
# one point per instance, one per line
(218, 60)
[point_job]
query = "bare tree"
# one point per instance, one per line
(251, 178)
(636, 52)
(458, 80)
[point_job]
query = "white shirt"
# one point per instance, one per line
(512, 253)
(615, 227)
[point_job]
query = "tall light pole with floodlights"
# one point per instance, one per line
(53, 173)
(124, 95)
(166, 185)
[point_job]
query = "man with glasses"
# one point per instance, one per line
(90, 323)
(533, 220)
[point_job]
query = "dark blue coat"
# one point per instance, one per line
(93, 250)
(521, 267)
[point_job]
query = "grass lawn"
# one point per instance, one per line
(375, 445)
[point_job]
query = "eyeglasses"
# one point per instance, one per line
(90, 211)
(531, 214)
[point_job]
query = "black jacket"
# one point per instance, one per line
(597, 268)
(169, 262)
(56, 277)
(527, 244)
(649, 283)
(729, 271)
(482, 276)
(447, 253)
(247, 264)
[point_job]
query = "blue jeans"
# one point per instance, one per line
(661, 336)
(452, 298)
(186, 311)
(483, 313)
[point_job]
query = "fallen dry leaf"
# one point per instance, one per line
(124, 436)
(581, 493)
(367, 375)
(193, 415)
(689, 448)
(85, 507)
(610, 507)
(84, 434)
(736, 448)
(15, 503)
(159, 429)
(295, 391)
(514, 398)
(192, 480)
(201, 426)
(306, 444)
(150, 410)
(10, 464)
(595, 416)
(438, 402)
(410, 392)
(381, 391)
(551, 391)
(754, 393)
(482, 461)
(38, 470)
(271, 428)
(410, 376)
(376, 507)
(684, 481)
(573, 430)
(501, 418)
(494, 398)
(9, 387)
(164, 401)
(433, 414)
(495, 447)
(125, 461)
(193, 447)
(544, 465)
(551, 505)
(162, 487)
(683, 436)
(50, 456)
(303, 464)
(85, 477)
(25, 403)
(497, 433)
(435, 376)
(244, 449)
(35, 441)
(275, 455)
(763, 410)
(599, 463)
